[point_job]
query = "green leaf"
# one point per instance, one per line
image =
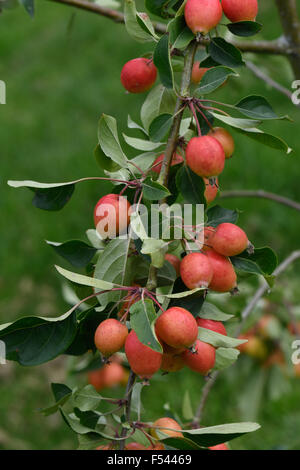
(141, 144)
(136, 402)
(217, 340)
(62, 393)
(109, 140)
(213, 435)
(134, 27)
(31, 341)
(244, 28)
(78, 253)
(263, 261)
(29, 6)
(103, 161)
(85, 280)
(134, 125)
(211, 312)
(237, 122)
(156, 6)
(160, 127)
(142, 319)
(191, 186)
(146, 24)
(89, 441)
(112, 268)
(225, 357)
(153, 190)
(257, 107)
(225, 53)
(214, 78)
(180, 34)
(159, 100)
(217, 215)
(95, 239)
(49, 197)
(162, 61)
(87, 398)
(266, 139)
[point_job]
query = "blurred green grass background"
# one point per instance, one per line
(59, 80)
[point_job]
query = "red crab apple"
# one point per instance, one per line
(202, 15)
(176, 160)
(219, 447)
(205, 156)
(108, 376)
(173, 431)
(229, 240)
(135, 446)
(174, 261)
(240, 10)
(205, 236)
(198, 72)
(110, 336)
(143, 360)
(138, 75)
(213, 325)
(224, 277)
(196, 270)
(225, 139)
(112, 215)
(201, 360)
(172, 362)
(158, 446)
(211, 191)
(177, 327)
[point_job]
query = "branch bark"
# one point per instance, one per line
(290, 22)
(295, 255)
(277, 46)
(262, 194)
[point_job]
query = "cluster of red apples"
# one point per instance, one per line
(176, 328)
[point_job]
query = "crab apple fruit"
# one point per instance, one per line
(109, 375)
(224, 276)
(202, 360)
(225, 139)
(205, 237)
(219, 447)
(172, 363)
(202, 15)
(135, 446)
(107, 447)
(196, 270)
(205, 156)
(177, 327)
(138, 75)
(211, 191)
(254, 347)
(277, 357)
(240, 10)
(213, 325)
(112, 215)
(198, 72)
(143, 360)
(176, 160)
(229, 240)
(174, 430)
(174, 261)
(158, 446)
(110, 336)
(168, 349)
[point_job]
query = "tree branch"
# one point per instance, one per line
(291, 26)
(262, 194)
(265, 287)
(128, 395)
(263, 76)
(277, 46)
(246, 312)
(178, 113)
